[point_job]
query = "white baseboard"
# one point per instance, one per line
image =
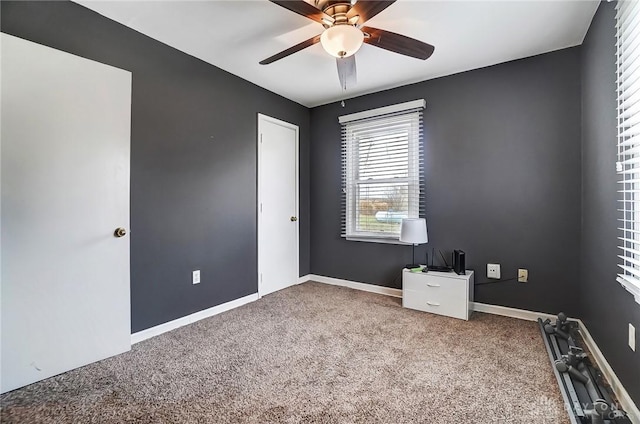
(304, 279)
(372, 288)
(510, 312)
(189, 319)
(623, 396)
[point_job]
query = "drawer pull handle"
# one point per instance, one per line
(433, 285)
(433, 303)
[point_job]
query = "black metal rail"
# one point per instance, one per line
(586, 398)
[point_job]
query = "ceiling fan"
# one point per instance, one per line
(345, 33)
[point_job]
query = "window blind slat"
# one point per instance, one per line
(630, 260)
(627, 230)
(630, 131)
(631, 98)
(630, 52)
(633, 141)
(629, 251)
(630, 241)
(624, 13)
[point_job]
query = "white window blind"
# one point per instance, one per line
(628, 165)
(382, 172)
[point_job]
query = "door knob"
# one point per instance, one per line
(293, 219)
(120, 232)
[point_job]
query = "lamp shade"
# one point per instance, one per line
(342, 40)
(414, 231)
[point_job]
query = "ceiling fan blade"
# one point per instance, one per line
(303, 8)
(347, 71)
(367, 9)
(397, 43)
(291, 50)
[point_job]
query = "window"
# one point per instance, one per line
(383, 179)
(628, 165)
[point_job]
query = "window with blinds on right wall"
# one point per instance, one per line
(628, 165)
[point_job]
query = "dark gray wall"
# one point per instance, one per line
(605, 306)
(502, 169)
(193, 161)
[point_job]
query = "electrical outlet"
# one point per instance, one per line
(195, 276)
(523, 275)
(493, 271)
(632, 337)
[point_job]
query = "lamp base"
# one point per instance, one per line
(412, 266)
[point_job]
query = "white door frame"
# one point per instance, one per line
(262, 119)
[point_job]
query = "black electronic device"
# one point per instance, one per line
(432, 267)
(436, 268)
(458, 262)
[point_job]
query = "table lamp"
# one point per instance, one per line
(414, 231)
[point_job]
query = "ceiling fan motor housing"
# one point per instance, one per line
(338, 10)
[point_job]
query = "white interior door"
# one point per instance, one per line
(65, 147)
(277, 205)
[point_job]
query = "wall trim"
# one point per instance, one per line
(372, 288)
(190, 319)
(506, 311)
(304, 278)
(623, 396)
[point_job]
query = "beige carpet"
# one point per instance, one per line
(312, 353)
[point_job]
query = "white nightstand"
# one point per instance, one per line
(443, 293)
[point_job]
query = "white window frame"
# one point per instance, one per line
(351, 184)
(628, 162)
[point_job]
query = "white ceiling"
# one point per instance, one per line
(236, 35)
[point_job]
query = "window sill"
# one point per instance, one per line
(631, 288)
(384, 240)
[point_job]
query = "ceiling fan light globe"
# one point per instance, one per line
(342, 40)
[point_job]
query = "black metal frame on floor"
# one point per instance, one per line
(587, 399)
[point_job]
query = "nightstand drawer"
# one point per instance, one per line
(441, 303)
(437, 286)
